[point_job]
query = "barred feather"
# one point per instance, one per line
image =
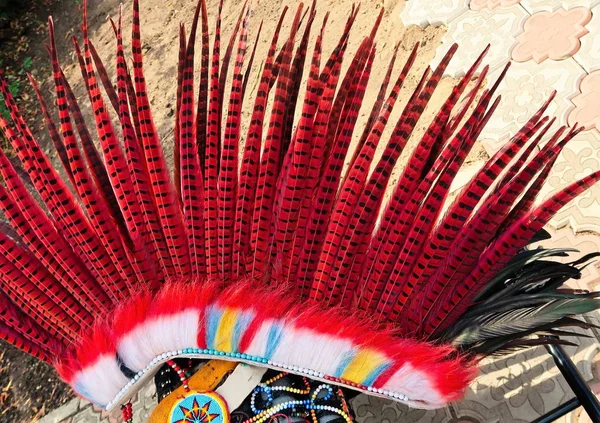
(25, 327)
(228, 180)
(513, 239)
(307, 247)
(466, 201)
(166, 203)
(451, 158)
(299, 183)
(270, 165)
(349, 199)
(93, 203)
(321, 286)
(15, 338)
(388, 239)
(249, 166)
(191, 186)
(44, 241)
(211, 158)
(146, 229)
(59, 200)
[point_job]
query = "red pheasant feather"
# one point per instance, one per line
(250, 160)
(270, 165)
(227, 184)
(166, 203)
(191, 186)
(147, 230)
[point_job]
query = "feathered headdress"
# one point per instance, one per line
(263, 248)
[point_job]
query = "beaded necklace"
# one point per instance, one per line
(310, 406)
(268, 390)
(181, 373)
(127, 411)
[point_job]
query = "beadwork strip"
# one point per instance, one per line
(142, 377)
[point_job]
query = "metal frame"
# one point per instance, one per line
(583, 394)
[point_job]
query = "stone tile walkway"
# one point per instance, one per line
(554, 45)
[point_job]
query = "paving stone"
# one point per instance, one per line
(61, 414)
(432, 12)
(474, 30)
(586, 103)
(534, 6)
(552, 35)
(525, 88)
(492, 4)
(588, 55)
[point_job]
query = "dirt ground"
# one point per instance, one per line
(28, 387)
(24, 396)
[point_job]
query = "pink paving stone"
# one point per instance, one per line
(555, 35)
(587, 103)
(491, 4)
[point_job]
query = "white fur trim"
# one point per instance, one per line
(308, 349)
(100, 382)
(414, 384)
(159, 335)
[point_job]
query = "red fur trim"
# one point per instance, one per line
(130, 314)
(100, 342)
(67, 367)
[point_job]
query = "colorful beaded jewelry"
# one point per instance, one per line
(266, 389)
(310, 406)
(181, 374)
(127, 412)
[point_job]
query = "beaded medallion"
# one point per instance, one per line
(200, 407)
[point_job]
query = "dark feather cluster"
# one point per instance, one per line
(526, 304)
